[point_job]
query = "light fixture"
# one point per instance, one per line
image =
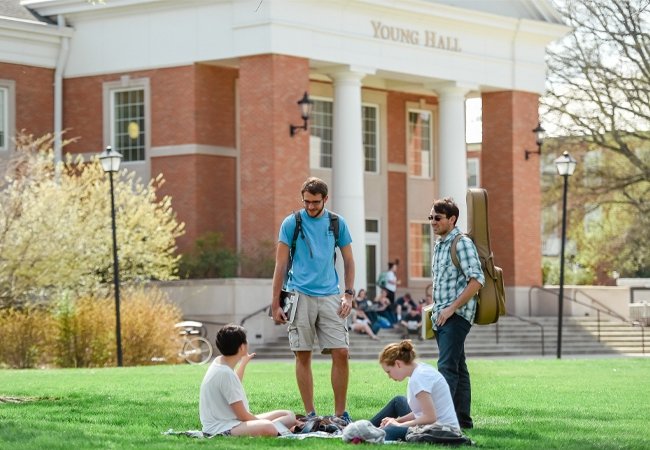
(566, 165)
(110, 161)
(305, 112)
(539, 140)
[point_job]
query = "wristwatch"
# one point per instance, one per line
(349, 291)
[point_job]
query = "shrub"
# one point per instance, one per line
(209, 259)
(42, 245)
(25, 334)
(148, 319)
(85, 335)
(573, 273)
(81, 332)
(260, 261)
(86, 329)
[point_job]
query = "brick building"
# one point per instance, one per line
(204, 91)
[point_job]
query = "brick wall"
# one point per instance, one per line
(513, 184)
(34, 97)
(189, 105)
(273, 165)
(215, 105)
(397, 181)
(203, 191)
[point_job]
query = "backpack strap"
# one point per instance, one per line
(292, 248)
(297, 230)
(454, 251)
(334, 227)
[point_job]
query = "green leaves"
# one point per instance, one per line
(55, 226)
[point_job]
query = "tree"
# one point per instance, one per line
(55, 227)
(599, 94)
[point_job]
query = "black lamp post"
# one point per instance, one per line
(566, 165)
(305, 105)
(110, 160)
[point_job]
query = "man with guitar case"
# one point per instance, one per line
(490, 299)
(454, 302)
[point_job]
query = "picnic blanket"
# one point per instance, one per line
(197, 434)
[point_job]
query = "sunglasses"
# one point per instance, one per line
(437, 218)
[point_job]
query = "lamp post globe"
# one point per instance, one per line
(110, 161)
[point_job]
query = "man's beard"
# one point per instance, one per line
(318, 213)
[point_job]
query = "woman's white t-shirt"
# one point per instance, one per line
(426, 378)
(220, 388)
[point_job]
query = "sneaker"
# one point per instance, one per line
(345, 417)
(311, 415)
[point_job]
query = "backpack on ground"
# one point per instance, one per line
(436, 433)
(492, 296)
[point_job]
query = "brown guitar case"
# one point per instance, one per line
(491, 297)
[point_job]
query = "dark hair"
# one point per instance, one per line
(229, 338)
(404, 351)
(446, 206)
(314, 186)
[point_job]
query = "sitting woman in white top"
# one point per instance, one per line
(223, 406)
(428, 399)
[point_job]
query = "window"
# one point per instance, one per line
(372, 226)
(473, 172)
(420, 250)
(593, 216)
(592, 169)
(321, 127)
(419, 143)
(128, 123)
(4, 115)
(370, 134)
(7, 113)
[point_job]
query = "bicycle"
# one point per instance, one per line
(195, 349)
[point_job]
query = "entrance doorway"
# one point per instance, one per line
(373, 256)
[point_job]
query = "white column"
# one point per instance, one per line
(347, 190)
(452, 169)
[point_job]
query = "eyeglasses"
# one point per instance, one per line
(312, 202)
(437, 218)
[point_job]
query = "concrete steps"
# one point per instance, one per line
(511, 337)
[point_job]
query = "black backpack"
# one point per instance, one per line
(334, 228)
(436, 433)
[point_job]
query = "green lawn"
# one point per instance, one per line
(519, 404)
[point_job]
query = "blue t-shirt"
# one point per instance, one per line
(313, 271)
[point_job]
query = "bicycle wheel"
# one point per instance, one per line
(196, 350)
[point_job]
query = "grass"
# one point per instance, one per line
(517, 404)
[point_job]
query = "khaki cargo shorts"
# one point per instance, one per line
(316, 318)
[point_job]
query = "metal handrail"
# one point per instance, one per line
(254, 313)
(606, 310)
(609, 311)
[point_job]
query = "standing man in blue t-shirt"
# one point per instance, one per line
(321, 310)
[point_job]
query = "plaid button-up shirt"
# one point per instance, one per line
(448, 281)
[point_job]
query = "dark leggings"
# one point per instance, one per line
(395, 408)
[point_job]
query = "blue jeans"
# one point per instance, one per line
(451, 364)
(395, 408)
